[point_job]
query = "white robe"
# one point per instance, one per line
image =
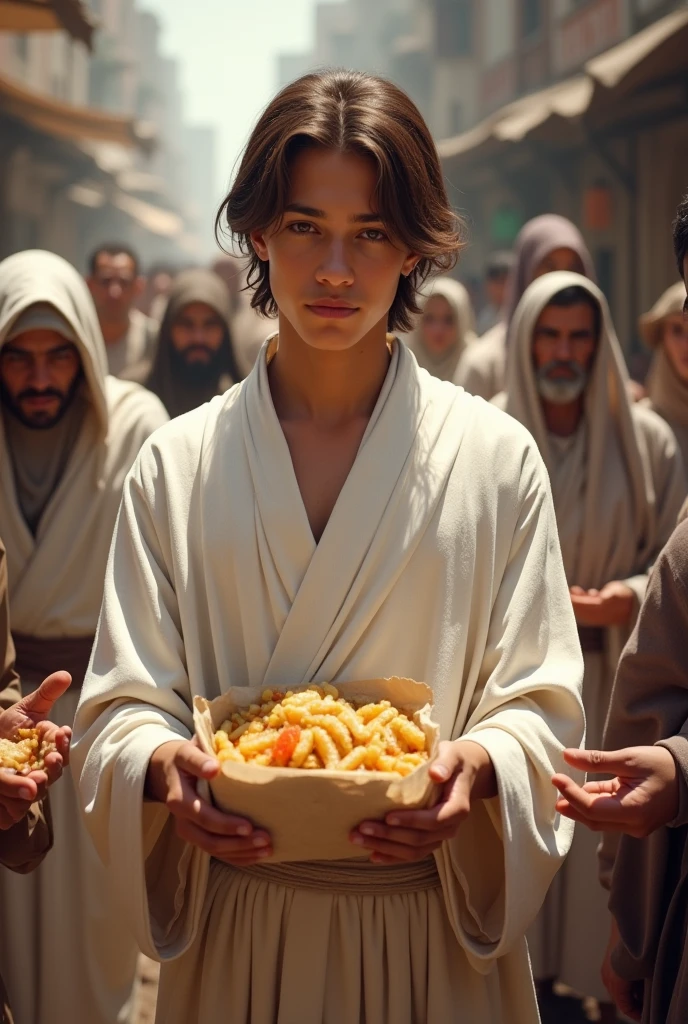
(440, 562)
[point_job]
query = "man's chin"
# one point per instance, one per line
(40, 420)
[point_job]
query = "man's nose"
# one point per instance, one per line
(115, 290)
(335, 268)
(40, 375)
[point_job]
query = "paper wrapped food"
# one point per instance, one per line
(310, 763)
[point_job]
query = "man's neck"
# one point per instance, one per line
(113, 330)
(323, 387)
(563, 420)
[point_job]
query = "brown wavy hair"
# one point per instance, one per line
(351, 112)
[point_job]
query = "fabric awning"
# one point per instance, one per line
(152, 218)
(655, 54)
(48, 16)
(565, 100)
(69, 122)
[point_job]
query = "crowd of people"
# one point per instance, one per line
(310, 462)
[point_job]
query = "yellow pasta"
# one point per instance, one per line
(315, 728)
(25, 754)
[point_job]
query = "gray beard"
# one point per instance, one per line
(561, 390)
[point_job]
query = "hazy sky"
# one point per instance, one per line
(227, 50)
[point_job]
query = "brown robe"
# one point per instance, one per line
(649, 887)
(22, 847)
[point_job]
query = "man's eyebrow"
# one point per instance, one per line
(311, 211)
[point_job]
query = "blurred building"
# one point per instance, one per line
(93, 144)
(573, 106)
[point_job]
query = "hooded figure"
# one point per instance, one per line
(443, 363)
(618, 484)
(64, 953)
(667, 383)
(544, 244)
(180, 380)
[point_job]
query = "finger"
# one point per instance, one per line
(607, 762)
(576, 591)
(399, 851)
(192, 760)
(53, 769)
(14, 810)
(186, 803)
(40, 702)
(18, 787)
(447, 814)
(605, 787)
(63, 741)
(222, 845)
(406, 836)
(449, 758)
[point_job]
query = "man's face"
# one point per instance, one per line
(334, 269)
(197, 334)
(564, 344)
(39, 373)
(115, 287)
(438, 325)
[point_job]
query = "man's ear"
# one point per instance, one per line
(259, 244)
(410, 264)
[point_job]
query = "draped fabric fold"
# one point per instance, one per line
(215, 580)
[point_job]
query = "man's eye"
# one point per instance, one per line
(301, 227)
(374, 235)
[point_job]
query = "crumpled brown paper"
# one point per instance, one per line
(309, 814)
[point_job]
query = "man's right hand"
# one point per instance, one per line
(626, 995)
(172, 779)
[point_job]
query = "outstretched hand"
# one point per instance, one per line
(19, 792)
(642, 796)
(611, 606)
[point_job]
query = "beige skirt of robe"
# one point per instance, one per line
(86, 958)
(569, 938)
(334, 943)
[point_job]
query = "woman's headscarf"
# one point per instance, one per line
(536, 240)
(174, 389)
(668, 394)
(443, 364)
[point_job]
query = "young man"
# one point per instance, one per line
(68, 435)
(647, 743)
(338, 515)
(618, 484)
(115, 284)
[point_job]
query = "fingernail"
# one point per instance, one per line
(359, 840)
(440, 772)
(393, 821)
(264, 853)
(209, 766)
(367, 830)
(244, 830)
(25, 793)
(260, 841)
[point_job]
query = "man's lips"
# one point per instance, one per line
(40, 402)
(331, 311)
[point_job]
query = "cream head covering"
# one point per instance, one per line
(443, 365)
(611, 469)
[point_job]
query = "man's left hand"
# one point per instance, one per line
(466, 772)
(19, 792)
(610, 606)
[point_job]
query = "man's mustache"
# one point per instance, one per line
(35, 393)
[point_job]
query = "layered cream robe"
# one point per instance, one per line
(65, 952)
(667, 393)
(440, 562)
(618, 484)
(482, 368)
(443, 365)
